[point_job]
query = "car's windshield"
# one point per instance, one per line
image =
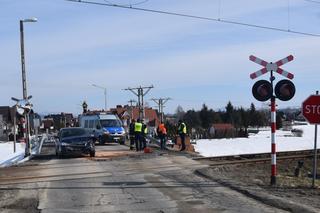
(72, 132)
(110, 123)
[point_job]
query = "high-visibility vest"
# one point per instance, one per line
(162, 129)
(182, 128)
(137, 127)
(145, 130)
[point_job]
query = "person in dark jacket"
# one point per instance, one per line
(131, 134)
(182, 131)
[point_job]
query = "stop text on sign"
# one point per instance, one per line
(313, 109)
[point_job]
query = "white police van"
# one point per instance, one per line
(106, 127)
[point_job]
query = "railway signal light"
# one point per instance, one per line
(262, 90)
(285, 90)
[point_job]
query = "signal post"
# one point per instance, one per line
(263, 90)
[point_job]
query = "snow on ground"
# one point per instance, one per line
(7, 156)
(258, 143)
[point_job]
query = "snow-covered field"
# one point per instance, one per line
(7, 156)
(258, 143)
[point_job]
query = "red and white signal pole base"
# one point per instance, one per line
(273, 142)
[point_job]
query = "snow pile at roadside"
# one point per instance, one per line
(7, 156)
(258, 143)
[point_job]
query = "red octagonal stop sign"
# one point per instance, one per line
(311, 109)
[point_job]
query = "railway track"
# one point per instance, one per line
(254, 158)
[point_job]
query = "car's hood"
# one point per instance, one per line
(76, 139)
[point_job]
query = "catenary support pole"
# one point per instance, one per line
(160, 102)
(140, 92)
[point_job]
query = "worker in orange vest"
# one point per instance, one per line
(162, 134)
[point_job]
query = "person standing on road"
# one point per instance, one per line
(138, 134)
(131, 134)
(182, 131)
(144, 136)
(162, 133)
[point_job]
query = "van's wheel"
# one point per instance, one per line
(92, 154)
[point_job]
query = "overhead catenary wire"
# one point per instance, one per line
(131, 4)
(313, 1)
(197, 17)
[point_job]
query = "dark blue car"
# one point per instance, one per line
(75, 140)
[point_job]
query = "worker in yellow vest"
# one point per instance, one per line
(138, 134)
(182, 131)
(144, 136)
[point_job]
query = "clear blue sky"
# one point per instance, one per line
(192, 61)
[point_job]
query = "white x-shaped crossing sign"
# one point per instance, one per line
(271, 67)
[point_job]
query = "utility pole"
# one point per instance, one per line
(140, 92)
(131, 107)
(160, 102)
(24, 84)
(131, 102)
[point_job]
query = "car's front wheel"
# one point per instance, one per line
(92, 154)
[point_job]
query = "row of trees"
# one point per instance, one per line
(201, 121)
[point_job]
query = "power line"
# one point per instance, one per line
(313, 1)
(197, 17)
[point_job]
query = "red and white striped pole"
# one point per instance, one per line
(273, 142)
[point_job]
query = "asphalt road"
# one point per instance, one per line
(117, 180)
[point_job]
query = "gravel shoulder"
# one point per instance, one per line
(291, 193)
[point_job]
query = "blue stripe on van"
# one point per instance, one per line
(113, 130)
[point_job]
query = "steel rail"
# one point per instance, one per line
(245, 161)
(252, 156)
